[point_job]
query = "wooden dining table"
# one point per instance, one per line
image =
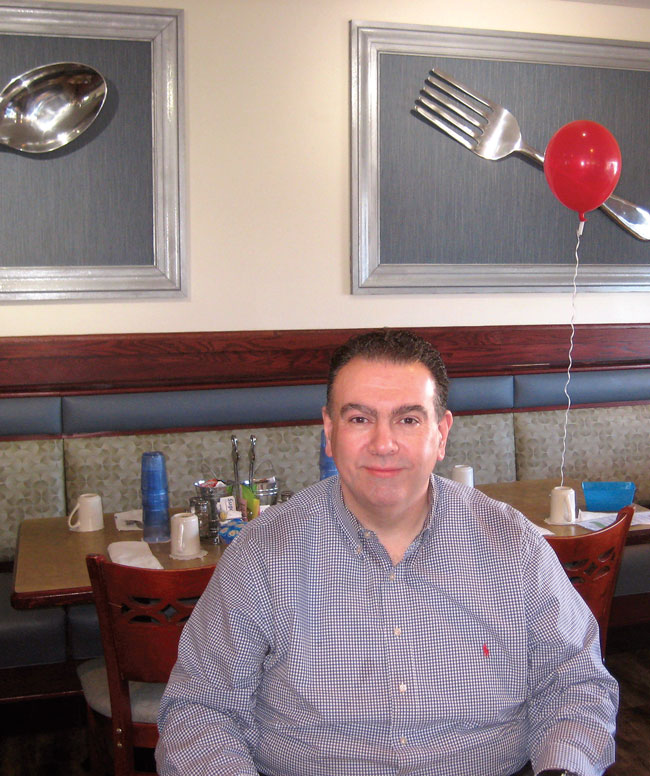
(533, 499)
(50, 561)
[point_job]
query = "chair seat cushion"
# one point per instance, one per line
(31, 637)
(145, 696)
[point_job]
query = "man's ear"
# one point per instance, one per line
(327, 425)
(444, 427)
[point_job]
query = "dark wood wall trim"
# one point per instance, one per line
(140, 362)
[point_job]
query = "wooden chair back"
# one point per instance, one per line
(591, 562)
(141, 615)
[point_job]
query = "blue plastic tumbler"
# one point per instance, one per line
(155, 498)
(325, 462)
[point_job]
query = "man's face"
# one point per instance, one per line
(384, 436)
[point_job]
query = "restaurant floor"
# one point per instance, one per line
(48, 736)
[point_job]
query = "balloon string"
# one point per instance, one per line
(573, 331)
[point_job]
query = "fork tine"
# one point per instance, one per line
(458, 99)
(426, 113)
(449, 116)
(462, 88)
(439, 97)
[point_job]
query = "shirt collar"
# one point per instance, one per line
(353, 527)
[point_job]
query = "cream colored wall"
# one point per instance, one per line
(267, 99)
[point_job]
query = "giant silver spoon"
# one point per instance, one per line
(47, 107)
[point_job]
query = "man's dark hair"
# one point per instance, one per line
(397, 346)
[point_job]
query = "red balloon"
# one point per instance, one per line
(582, 165)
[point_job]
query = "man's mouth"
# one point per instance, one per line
(383, 471)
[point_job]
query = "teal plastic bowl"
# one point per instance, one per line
(608, 496)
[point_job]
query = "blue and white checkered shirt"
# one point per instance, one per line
(310, 654)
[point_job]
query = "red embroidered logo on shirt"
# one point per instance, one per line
(486, 651)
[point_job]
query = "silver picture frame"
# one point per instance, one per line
(166, 274)
(373, 272)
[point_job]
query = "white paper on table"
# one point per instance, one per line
(133, 554)
(641, 517)
(129, 521)
(596, 521)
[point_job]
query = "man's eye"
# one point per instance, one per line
(410, 421)
(358, 419)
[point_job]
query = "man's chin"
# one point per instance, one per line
(378, 492)
(386, 493)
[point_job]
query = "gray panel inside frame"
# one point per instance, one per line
(439, 203)
(89, 203)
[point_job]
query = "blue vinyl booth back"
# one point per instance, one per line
(28, 637)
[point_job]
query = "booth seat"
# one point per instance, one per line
(53, 448)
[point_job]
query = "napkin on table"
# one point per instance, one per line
(129, 521)
(133, 554)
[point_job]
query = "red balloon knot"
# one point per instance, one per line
(486, 651)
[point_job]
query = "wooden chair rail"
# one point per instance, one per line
(128, 362)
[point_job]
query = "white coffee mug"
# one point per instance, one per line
(463, 473)
(563, 505)
(186, 540)
(90, 513)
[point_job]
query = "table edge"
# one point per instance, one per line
(42, 598)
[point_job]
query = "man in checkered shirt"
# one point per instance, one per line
(387, 620)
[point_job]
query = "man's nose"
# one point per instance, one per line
(383, 440)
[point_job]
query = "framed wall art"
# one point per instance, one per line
(103, 216)
(430, 216)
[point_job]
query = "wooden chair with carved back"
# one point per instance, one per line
(591, 562)
(141, 615)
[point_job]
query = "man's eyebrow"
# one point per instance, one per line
(405, 409)
(352, 407)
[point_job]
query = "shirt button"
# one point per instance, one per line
(367, 534)
(402, 740)
(391, 576)
(358, 550)
(402, 687)
(397, 631)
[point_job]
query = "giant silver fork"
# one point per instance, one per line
(492, 132)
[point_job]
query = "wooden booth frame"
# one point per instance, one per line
(615, 261)
(162, 271)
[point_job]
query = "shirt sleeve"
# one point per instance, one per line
(573, 700)
(206, 719)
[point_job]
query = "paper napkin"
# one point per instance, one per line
(133, 554)
(129, 521)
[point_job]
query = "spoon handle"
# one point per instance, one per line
(235, 464)
(251, 460)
